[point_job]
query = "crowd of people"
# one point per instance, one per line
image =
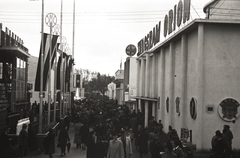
(107, 130)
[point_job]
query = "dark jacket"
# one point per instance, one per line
(4, 145)
(23, 138)
(63, 136)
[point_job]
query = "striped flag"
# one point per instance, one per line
(46, 56)
(59, 72)
(68, 72)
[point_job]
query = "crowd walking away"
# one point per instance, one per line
(114, 131)
(106, 130)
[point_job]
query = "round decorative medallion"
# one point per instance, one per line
(193, 108)
(228, 109)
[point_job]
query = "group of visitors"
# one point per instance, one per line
(106, 130)
(222, 143)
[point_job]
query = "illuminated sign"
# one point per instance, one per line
(175, 17)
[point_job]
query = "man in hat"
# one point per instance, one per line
(23, 140)
(5, 144)
(127, 145)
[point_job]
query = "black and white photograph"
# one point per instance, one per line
(119, 78)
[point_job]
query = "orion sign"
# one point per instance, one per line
(175, 17)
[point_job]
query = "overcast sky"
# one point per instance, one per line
(103, 28)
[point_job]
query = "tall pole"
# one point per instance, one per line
(55, 76)
(49, 77)
(51, 21)
(41, 72)
(73, 40)
(61, 86)
(73, 29)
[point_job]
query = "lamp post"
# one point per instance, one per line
(51, 21)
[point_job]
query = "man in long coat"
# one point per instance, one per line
(127, 144)
(23, 140)
(115, 148)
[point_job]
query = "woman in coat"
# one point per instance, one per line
(49, 142)
(91, 145)
(77, 137)
(63, 138)
(143, 143)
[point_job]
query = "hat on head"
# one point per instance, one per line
(24, 125)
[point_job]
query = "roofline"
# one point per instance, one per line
(191, 25)
(208, 4)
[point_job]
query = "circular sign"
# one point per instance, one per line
(51, 19)
(57, 29)
(228, 109)
(131, 50)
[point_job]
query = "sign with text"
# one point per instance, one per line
(175, 17)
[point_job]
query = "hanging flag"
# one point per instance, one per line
(54, 54)
(68, 73)
(67, 68)
(59, 72)
(78, 79)
(62, 75)
(46, 57)
(37, 79)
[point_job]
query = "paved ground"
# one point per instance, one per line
(79, 153)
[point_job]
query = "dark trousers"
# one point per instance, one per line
(63, 148)
(23, 150)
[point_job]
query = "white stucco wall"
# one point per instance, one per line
(203, 63)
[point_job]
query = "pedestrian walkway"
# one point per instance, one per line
(79, 153)
(74, 151)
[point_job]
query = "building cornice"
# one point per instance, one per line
(186, 29)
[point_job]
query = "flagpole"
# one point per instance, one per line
(51, 21)
(61, 86)
(73, 40)
(41, 72)
(55, 77)
(49, 77)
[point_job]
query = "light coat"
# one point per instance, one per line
(128, 146)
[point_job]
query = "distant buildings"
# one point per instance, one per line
(119, 81)
(130, 78)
